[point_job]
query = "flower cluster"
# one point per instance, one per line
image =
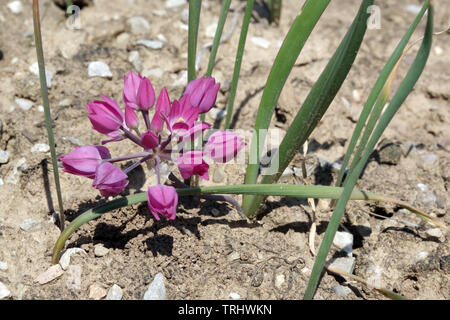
(172, 123)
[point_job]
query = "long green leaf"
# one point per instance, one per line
(402, 92)
(284, 62)
(317, 102)
(45, 102)
(195, 7)
(375, 93)
(238, 61)
(318, 192)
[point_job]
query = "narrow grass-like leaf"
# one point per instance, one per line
(45, 102)
(275, 10)
(298, 191)
(238, 61)
(195, 7)
(402, 92)
(316, 104)
(292, 45)
(218, 35)
(375, 93)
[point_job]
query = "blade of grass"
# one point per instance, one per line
(299, 191)
(316, 104)
(284, 62)
(218, 35)
(274, 11)
(375, 93)
(238, 61)
(195, 7)
(45, 102)
(402, 92)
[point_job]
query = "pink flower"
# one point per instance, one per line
(109, 179)
(83, 161)
(150, 140)
(131, 118)
(203, 93)
(222, 146)
(162, 200)
(182, 115)
(192, 163)
(162, 109)
(138, 92)
(106, 116)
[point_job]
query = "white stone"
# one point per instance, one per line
(161, 37)
(159, 13)
(99, 69)
(184, 15)
(40, 108)
(40, 147)
(30, 225)
(413, 8)
(152, 44)
(64, 261)
(34, 69)
(114, 293)
(122, 40)
(217, 113)
(24, 104)
(422, 255)
(15, 7)
(3, 266)
(4, 291)
(138, 25)
(438, 50)
(261, 42)
(279, 280)
(233, 256)
(1, 182)
(345, 264)
(435, 232)
(100, 250)
(14, 60)
(157, 289)
(96, 292)
(183, 26)
(341, 291)
(344, 241)
(287, 172)
(135, 59)
(20, 165)
(150, 73)
(55, 271)
(174, 3)
(4, 156)
(235, 296)
(182, 79)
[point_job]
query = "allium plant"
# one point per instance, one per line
(168, 138)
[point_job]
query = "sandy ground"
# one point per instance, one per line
(209, 251)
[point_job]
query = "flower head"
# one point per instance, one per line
(83, 161)
(162, 200)
(109, 179)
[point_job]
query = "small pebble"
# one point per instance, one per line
(233, 256)
(64, 261)
(356, 95)
(161, 37)
(40, 147)
(3, 266)
(420, 256)
(413, 8)
(152, 44)
(99, 69)
(434, 233)
(135, 59)
(24, 104)
(15, 7)
(217, 113)
(20, 165)
(34, 69)
(235, 296)
(215, 212)
(138, 25)
(100, 250)
(184, 15)
(122, 40)
(341, 291)
(279, 280)
(261, 42)
(55, 271)
(65, 102)
(96, 292)
(429, 159)
(425, 196)
(288, 172)
(157, 289)
(114, 293)
(438, 50)
(40, 108)
(174, 3)
(4, 292)
(345, 264)
(4, 156)
(344, 241)
(159, 13)
(219, 174)
(153, 73)
(30, 225)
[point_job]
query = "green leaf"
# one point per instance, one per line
(402, 92)
(195, 7)
(316, 104)
(290, 50)
(238, 61)
(45, 102)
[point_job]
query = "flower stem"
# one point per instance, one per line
(157, 169)
(138, 163)
(146, 119)
(131, 136)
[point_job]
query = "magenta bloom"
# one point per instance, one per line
(162, 110)
(162, 200)
(138, 92)
(203, 93)
(150, 140)
(83, 161)
(222, 146)
(131, 118)
(106, 116)
(192, 163)
(182, 115)
(109, 179)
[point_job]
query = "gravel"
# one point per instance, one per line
(4, 156)
(55, 271)
(30, 225)
(152, 44)
(114, 293)
(157, 289)
(4, 291)
(24, 104)
(138, 25)
(99, 69)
